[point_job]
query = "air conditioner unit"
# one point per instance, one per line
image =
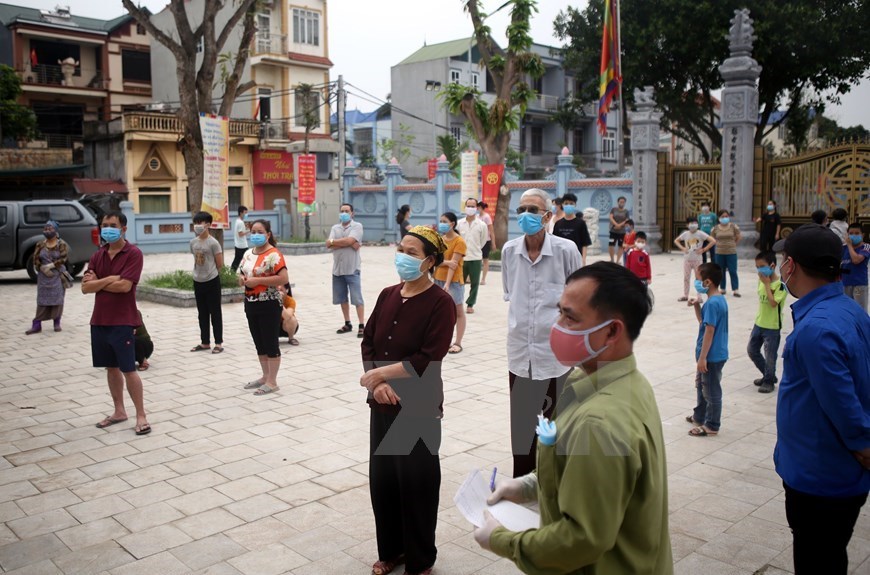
(274, 131)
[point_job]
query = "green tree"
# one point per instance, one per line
(797, 128)
(831, 132)
(568, 115)
(676, 46)
(16, 121)
(452, 150)
(309, 116)
(194, 32)
(510, 70)
(398, 147)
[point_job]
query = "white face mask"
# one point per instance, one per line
(640, 245)
(470, 211)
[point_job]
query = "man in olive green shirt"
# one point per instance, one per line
(602, 485)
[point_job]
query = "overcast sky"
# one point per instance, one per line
(367, 37)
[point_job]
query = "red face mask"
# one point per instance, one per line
(572, 347)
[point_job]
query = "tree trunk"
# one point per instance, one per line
(193, 166)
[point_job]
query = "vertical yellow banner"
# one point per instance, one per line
(215, 169)
(468, 180)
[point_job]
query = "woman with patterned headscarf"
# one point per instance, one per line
(404, 342)
(49, 260)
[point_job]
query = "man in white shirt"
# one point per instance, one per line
(240, 237)
(344, 240)
(473, 231)
(535, 268)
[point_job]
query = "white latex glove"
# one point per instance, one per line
(483, 534)
(519, 490)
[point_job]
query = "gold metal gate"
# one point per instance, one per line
(690, 186)
(837, 177)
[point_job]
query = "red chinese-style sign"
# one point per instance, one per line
(492, 179)
(307, 178)
(273, 167)
(433, 167)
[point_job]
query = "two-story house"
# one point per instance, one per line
(416, 80)
(75, 69)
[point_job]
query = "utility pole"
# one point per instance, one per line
(342, 152)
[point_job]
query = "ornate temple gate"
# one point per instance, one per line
(682, 189)
(837, 177)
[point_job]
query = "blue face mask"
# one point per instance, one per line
(408, 267)
(725, 220)
(110, 235)
(244, 216)
(443, 228)
(569, 210)
(771, 208)
(257, 240)
(856, 238)
(765, 271)
(344, 217)
(530, 224)
(700, 288)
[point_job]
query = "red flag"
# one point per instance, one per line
(307, 182)
(492, 180)
(433, 167)
(611, 74)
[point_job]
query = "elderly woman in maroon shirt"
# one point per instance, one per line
(405, 340)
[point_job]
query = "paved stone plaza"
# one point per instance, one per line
(230, 483)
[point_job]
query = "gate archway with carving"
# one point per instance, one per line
(837, 177)
(691, 185)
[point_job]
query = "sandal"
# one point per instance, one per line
(684, 298)
(345, 328)
(702, 431)
(455, 348)
(266, 389)
(293, 341)
(254, 384)
(691, 420)
(384, 567)
(109, 421)
(360, 331)
(144, 366)
(143, 429)
(217, 349)
(737, 294)
(200, 348)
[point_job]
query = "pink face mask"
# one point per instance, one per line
(572, 347)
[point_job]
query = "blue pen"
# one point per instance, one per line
(492, 479)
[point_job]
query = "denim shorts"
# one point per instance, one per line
(113, 346)
(457, 291)
(341, 285)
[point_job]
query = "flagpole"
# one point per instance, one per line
(619, 122)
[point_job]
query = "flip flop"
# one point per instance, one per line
(109, 421)
(265, 390)
(384, 567)
(143, 366)
(455, 345)
(293, 341)
(701, 432)
(253, 384)
(200, 348)
(143, 429)
(344, 329)
(217, 349)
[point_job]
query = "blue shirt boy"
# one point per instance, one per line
(706, 221)
(855, 274)
(714, 313)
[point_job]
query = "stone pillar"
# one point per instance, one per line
(644, 157)
(739, 120)
(348, 181)
(564, 169)
(442, 175)
(393, 175)
(127, 209)
(592, 218)
(284, 231)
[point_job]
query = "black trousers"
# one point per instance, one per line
(237, 259)
(765, 242)
(264, 323)
(530, 397)
(404, 491)
(822, 528)
(208, 305)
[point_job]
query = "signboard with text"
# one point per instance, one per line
(492, 178)
(215, 170)
(468, 180)
(433, 167)
(307, 182)
(273, 167)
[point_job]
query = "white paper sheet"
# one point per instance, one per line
(471, 497)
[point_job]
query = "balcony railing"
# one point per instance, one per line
(53, 75)
(544, 102)
(170, 124)
(275, 130)
(266, 43)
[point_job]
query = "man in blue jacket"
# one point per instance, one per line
(823, 411)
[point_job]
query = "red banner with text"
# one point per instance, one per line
(307, 178)
(433, 166)
(492, 180)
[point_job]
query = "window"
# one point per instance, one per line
(39, 214)
(578, 141)
(362, 142)
(234, 198)
(312, 108)
(236, 171)
(475, 80)
(608, 145)
(537, 140)
(136, 66)
(265, 95)
(154, 203)
(456, 132)
(324, 165)
(538, 85)
(140, 29)
(781, 132)
(454, 76)
(306, 27)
